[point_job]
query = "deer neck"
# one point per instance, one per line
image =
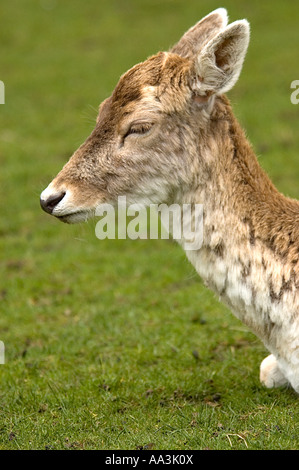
(250, 245)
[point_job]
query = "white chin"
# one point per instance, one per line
(75, 217)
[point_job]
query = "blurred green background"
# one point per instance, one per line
(117, 344)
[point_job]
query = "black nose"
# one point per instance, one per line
(49, 204)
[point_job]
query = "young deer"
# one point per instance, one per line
(167, 134)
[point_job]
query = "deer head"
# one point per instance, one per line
(149, 135)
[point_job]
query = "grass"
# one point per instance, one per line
(117, 344)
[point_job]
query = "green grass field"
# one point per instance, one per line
(117, 344)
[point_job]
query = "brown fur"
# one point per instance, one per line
(271, 217)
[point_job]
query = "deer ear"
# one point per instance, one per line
(201, 33)
(218, 66)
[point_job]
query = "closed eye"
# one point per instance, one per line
(139, 128)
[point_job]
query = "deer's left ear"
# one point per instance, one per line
(200, 34)
(218, 66)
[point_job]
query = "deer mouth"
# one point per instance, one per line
(75, 217)
(60, 205)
